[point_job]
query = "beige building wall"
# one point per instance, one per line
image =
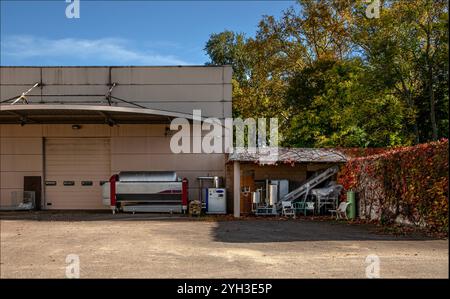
(20, 155)
(172, 88)
(132, 147)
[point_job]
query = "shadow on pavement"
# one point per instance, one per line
(259, 231)
(226, 229)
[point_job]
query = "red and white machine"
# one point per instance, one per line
(146, 191)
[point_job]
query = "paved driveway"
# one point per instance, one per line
(37, 244)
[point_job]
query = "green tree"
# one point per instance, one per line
(229, 48)
(405, 51)
(334, 108)
(334, 77)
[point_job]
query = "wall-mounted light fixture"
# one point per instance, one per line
(168, 132)
(111, 122)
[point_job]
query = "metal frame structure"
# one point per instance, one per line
(54, 113)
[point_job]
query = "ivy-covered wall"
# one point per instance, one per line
(403, 185)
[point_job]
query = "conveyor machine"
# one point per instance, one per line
(146, 191)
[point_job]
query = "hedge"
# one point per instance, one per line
(403, 185)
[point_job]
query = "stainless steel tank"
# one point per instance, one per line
(256, 197)
(273, 194)
(148, 176)
(217, 182)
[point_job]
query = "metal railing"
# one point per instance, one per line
(20, 200)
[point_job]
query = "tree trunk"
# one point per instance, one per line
(416, 132)
(429, 63)
(432, 105)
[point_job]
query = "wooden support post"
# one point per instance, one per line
(237, 189)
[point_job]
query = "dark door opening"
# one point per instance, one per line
(33, 183)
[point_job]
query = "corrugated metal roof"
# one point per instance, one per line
(291, 155)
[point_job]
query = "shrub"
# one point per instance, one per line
(405, 184)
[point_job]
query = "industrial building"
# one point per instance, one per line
(66, 130)
(75, 135)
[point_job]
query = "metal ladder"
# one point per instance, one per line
(308, 185)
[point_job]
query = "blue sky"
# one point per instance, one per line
(122, 32)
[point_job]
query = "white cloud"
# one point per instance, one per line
(115, 51)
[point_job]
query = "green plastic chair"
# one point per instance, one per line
(303, 207)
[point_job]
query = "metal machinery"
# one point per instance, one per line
(146, 191)
(270, 199)
(214, 200)
(327, 197)
(305, 189)
(274, 191)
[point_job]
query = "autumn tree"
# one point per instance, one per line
(335, 77)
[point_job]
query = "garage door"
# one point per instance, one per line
(74, 171)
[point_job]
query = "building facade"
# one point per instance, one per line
(74, 127)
